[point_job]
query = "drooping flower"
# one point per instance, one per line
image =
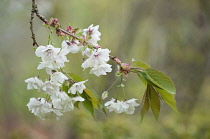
(132, 104)
(98, 57)
(47, 53)
(52, 58)
(57, 63)
(92, 34)
(33, 83)
(116, 105)
(71, 46)
(77, 87)
(63, 102)
(58, 77)
(121, 106)
(43, 109)
(101, 69)
(39, 107)
(49, 87)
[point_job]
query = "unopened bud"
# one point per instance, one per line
(60, 33)
(69, 28)
(104, 95)
(125, 66)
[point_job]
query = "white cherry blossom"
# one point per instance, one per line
(98, 62)
(92, 34)
(50, 88)
(57, 63)
(63, 102)
(121, 106)
(77, 87)
(101, 69)
(33, 83)
(43, 109)
(39, 107)
(58, 77)
(71, 46)
(52, 58)
(132, 104)
(116, 105)
(60, 59)
(98, 57)
(47, 53)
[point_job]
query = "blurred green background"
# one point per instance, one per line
(171, 36)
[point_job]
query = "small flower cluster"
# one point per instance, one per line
(121, 106)
(53, 59)
(98, 58)
(98, 62)
(60, 101)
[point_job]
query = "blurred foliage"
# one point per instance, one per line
(172, 36)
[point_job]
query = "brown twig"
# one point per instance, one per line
(43, 19)
(31, 24)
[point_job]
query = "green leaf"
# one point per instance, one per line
(65, 87)
(88, 104)
(102, 108)
(75, 77)
(154, 102)
(76, 104)
(161, 80)
(94, 97)
(140, 64)
(145, 104)
(142, 79)
(146, 78)
(167, 98)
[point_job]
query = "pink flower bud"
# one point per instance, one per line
(59, 33)
(125, 66)
(97, 47)
(55, 21)
(69, 28)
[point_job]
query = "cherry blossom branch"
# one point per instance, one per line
(63, 89)
(60, 30)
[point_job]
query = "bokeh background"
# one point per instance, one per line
(171, 36)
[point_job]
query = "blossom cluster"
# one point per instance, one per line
(121, 106)
(97, 58)
(53, 59)
(59, 100)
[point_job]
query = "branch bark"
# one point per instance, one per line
(45, 21)
(31, 24)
